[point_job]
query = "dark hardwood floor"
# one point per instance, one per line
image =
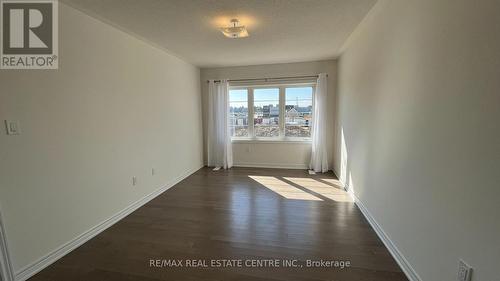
(246, 214)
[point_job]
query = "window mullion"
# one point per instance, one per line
(282, 112)
(250, 113)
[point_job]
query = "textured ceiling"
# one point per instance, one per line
(280, 30)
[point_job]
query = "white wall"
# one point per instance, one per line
(419, 100)
(116, 108)
(265, 154)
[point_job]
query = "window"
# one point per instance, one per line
(266, 104)
(298, 112)
(281, 112)
(238, 112)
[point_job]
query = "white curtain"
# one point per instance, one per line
(220, 152)
(319, 156)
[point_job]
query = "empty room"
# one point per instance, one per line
(249, 140)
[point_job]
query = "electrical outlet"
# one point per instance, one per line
(134, 180)
(464, 271)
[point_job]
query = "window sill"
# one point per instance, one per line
(271, 141)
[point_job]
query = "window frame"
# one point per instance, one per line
(282, 104)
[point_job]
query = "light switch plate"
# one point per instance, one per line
(12, 127)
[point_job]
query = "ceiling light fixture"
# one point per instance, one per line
(235, 30)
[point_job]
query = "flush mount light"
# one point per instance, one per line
(235, 30)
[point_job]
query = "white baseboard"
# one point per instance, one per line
(408, 270)
(31, 269)
(275, 166)
(6, 272)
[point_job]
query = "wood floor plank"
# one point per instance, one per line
(241, 213)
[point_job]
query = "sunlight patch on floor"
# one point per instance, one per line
(333, 182)
(326, 190)
(284, 189)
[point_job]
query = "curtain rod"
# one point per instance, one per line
(267, 79)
